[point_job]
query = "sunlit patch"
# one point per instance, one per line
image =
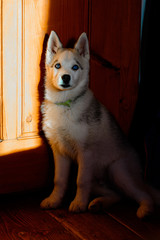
(14, 146)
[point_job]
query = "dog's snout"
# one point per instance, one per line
(66, 78)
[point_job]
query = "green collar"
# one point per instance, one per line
(66, 103)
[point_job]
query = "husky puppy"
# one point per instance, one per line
(79, 128)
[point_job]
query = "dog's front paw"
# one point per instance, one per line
(49, 203)
(77, 206)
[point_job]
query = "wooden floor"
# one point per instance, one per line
(22, 218)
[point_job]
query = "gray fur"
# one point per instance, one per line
(93, 113)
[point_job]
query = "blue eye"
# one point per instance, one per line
(58, 65)
(75, 67)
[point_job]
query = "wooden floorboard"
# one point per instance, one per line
(125, 213)
(93, 226)
(25, 220)
(22, 218)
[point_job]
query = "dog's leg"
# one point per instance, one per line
(84, 179)
(62, 165)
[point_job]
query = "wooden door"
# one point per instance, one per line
(24, 161)
(22, 152)
(113, 30)
(115, 42)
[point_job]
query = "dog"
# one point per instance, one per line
(78, 127)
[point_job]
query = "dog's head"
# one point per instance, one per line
(67, 68)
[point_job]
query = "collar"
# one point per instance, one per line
(68, 102)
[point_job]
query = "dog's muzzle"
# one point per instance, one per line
(66, 80)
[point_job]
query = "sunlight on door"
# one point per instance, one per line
(23, 28)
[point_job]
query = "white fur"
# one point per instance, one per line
(74, 133)
(53, 45)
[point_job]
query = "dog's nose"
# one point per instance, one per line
(66, 78)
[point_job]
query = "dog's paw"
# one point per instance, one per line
(95, 205)
(77, 206)
(144, 210)
(49, 203)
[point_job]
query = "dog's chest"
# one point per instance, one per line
(62, 127)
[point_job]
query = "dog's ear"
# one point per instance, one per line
(52, 46)
(82, 45)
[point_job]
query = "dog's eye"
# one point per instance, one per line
(58, 65)
(75, 67)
